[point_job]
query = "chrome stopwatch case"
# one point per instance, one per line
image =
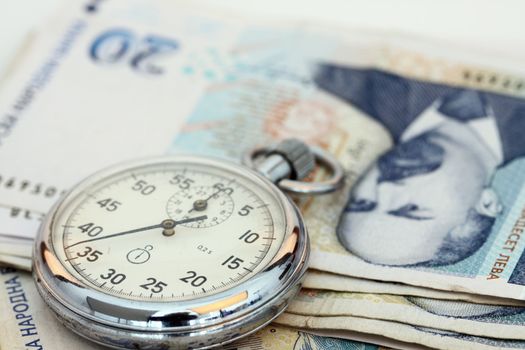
(172, 253)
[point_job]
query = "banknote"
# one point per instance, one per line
(16, 262)
(18, 222)
(480, 252)
(276, 337)
(504, 322)
(20, 249)
(206, 57)
(77, 48)
(233, 79)
(328, 281)
(444, 207)
(487, 217)
(472, 246)
(433, 338)
(368, 338)
(156, 81)
(27, 323)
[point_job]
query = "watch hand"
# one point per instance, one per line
(201, 204)
(166, 224)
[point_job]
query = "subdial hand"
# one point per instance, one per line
(167, 224)
(202, 204)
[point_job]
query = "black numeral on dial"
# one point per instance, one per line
(244, 211)
(113, 277)
(249, 236)
(109, 204)
(91, 229)
(143, 187)
(232, 262)
(90, 254)
(194, 279)
(183, 182)
(154, 285)
(220, 187)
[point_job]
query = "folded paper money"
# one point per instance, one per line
(441, 209)
(430, 139)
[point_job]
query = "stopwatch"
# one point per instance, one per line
(182, 251)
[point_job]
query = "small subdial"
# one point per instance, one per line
(215, 202)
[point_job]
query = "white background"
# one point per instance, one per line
(495, 27)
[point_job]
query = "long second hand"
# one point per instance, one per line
(146, 228)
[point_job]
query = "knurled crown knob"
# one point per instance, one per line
(290, 161)
(298, 155)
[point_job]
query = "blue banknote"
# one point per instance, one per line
(447, 198)
(449, 195)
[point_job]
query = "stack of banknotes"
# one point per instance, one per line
(421, 249)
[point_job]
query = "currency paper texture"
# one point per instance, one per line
(328, 281)
(433, 338)
(504, 322)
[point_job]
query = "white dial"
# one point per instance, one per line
(169, 231)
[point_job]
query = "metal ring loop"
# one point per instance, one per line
(322, 157)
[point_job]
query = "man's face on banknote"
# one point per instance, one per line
(422, 196)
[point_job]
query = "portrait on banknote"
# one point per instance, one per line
(429, 199)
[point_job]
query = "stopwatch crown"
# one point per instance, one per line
(298, 155)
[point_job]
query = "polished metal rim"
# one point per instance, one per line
(122, 323)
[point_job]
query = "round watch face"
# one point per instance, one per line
(169, 230)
